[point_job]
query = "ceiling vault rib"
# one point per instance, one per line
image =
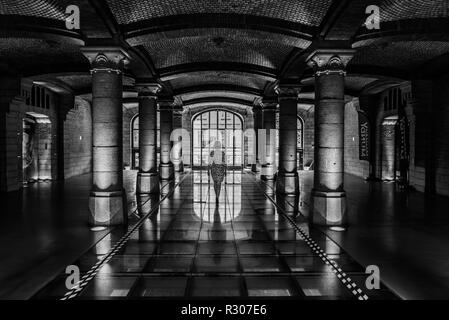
(209, 20)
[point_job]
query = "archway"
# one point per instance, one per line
(227, 127)
(36, 148)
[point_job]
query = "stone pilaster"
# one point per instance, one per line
(176, 153)
(328, 195)
(257, 114)
(166, 168)
(287, 177)
(148, 176)
(107, 202)
(267, 140)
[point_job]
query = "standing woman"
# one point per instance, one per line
(217, 167)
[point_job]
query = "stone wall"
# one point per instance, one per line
(128, 116)
(441, 134)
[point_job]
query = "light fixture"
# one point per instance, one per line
(339, 229)
(98, 228)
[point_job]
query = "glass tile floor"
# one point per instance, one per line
(187, 245)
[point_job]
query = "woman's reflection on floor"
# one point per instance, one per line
(218, 235)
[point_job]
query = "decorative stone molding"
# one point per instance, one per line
(330, 61)
(106, 59)
(269, 103)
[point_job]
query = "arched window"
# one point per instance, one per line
(33, 95)
(42, 98)
(38, 97)
(47, 101)
(221, 125)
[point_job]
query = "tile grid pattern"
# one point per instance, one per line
(77, 288)
(191, 247)
(344, 278)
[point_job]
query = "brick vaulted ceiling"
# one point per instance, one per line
(237, 48)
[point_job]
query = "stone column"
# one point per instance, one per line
(176, 154)
(388, 149)
(328, 195)
(287, 177)
(267, 140)
(107, 202)
(148, 176)
(166, 169)
(257, 113)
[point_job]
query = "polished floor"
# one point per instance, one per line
(189, 245)
(183, 244)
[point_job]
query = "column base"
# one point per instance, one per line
(288, 203)
(287, 183)
(255, 167)
(178, 165)
(146, 203)
(328, 208)
(147, 183)
(267, 172)
(107, 208)
(166, 171)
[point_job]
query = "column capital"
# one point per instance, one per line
(106, 58)
(257, 104)
(178, 108)
(288, 90)
(330, 61)
(166, 103)
(148, 89)
(269, 103)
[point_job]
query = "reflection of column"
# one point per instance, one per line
(328, 195)
(107, 202)
(288, 204)
(257, 113)
(166, 126)
(148, 177)
(176, 154)
(268, 169)
(287, 177)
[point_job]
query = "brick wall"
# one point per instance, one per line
(78, 139)
(9, 88)
(46, 138)
(418, 114)
(429, 128)
(352, 164)
(441, 140)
